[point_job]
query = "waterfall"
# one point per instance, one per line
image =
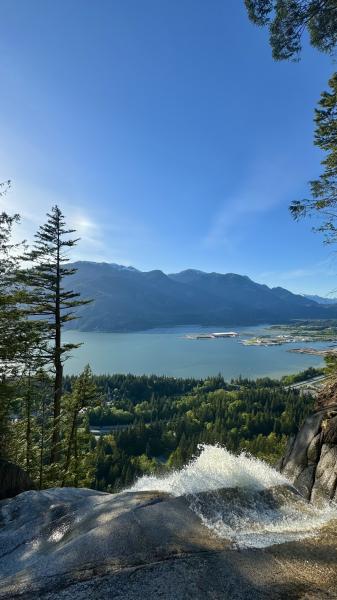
(242, 498)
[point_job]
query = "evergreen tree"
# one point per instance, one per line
(52, 302)
(323, 203)
(12, 321)
(288, 19)
(83, 397)
(20, 338)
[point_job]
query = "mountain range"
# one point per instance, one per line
(320, 299)
(126, 299)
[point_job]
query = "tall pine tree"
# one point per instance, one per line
(52, 301)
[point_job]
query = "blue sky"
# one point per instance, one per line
(166, 133)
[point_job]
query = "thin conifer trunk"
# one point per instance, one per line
(42, 443)
(28, 425)
(70, 443)
(55, 445)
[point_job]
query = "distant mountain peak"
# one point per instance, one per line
(188, 272)
(103, 264)
(122, 267)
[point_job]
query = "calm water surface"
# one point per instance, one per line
(168, 352)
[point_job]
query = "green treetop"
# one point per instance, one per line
(323, 203)
(20, 337)
(288, 19)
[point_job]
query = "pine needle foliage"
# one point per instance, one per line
(323, 201)
(20, 337)
(287, 20)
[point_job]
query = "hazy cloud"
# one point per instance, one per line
(317, 278)
(269, 183)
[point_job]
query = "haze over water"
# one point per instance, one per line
(168, 352)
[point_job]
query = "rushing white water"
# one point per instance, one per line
(242, 498)
(213, 469)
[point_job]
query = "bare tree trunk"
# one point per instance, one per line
(70, 443)
(76, 460)
(55, 445)
(28, 425)
(42, 442)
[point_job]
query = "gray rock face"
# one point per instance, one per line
(81, 544)
(310, 461)
(326, 474)
(314, 449)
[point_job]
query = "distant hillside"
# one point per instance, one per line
(320, 299)
(127, 299)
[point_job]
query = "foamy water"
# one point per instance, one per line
(213, 469)
(242, 498)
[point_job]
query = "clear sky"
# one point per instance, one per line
(165, 132)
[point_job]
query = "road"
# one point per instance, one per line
(312, 386)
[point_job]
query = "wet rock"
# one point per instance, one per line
(314, 449)
(311, 464)
(68, 543)
(53, 533)
(326, 474)
(305, 481)
(298, 457)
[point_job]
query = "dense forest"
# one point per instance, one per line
(156, 423)
(165, 430)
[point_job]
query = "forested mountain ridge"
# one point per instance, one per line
(127, 299)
